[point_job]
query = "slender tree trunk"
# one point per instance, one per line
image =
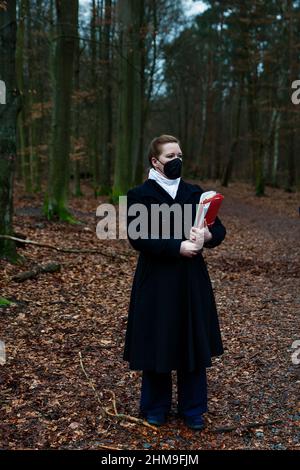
(31, 100)
(140, 61)
(276, 150)
(293, 72)
(129, 101)
(153, 12)
(203, 123)
(229, 165)
(99, 90)
(8, 127)
(218, 136)
(106, 103)
(39, 124)
(256, 140)
(268, 143)
(76, 122)
(22, 122)
(58, 178)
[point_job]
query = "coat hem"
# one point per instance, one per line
(134, 366)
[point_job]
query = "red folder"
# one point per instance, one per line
(214, 206)
(208, 208)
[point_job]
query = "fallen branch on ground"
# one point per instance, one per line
(46, 268)
(68, 250)
(103, 446)
(247, 426)
(115, 413)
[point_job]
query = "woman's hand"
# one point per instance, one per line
(198, 236)
(189, 249)
(192, 246)
(207, 234)
(200, 233)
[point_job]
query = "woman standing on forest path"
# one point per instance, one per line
(172, 319)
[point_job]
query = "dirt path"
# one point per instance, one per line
(46, 401)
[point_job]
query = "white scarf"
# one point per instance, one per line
(167, 184)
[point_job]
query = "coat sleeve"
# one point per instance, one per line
(218, 232)
(160, 246)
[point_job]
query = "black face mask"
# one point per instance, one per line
(172, 169)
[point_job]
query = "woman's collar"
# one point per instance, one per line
(154, 174)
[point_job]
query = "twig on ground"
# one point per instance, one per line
(103, 446)
(115, 413)
(68, 250)
(247, 426)
(46, 268)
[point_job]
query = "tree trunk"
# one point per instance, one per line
(76, 151)
(8, 131)
(130, 13)
(97, 86)
(106, 103)
(293, 72)
(229, 165)
(58, 179)
(22, 122)
(276, 150)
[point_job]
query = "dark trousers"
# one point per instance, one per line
(156, 392)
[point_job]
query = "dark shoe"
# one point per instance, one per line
(156, 420)
(194, 422)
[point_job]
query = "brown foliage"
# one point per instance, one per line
(46, 399)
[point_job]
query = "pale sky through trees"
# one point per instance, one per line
(192, 8)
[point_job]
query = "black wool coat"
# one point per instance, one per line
(172, 318)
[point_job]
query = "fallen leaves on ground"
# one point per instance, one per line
(48, 402)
